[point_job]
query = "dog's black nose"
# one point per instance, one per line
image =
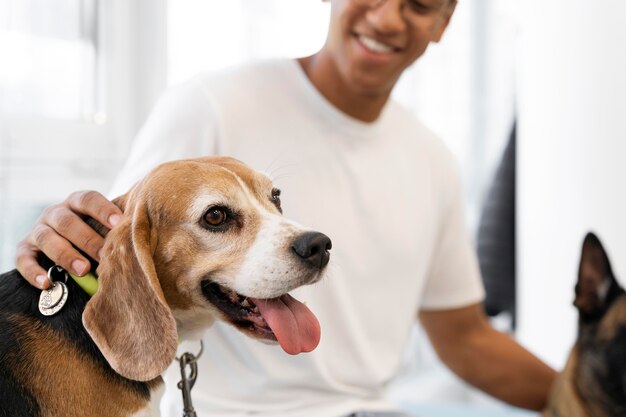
(312, 248)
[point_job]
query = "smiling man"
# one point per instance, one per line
(357, 166)
(369, 45)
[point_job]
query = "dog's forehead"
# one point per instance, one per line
(185, 180)
(255, 181)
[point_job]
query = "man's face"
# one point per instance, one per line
(373, 41)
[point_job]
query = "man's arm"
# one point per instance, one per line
(487, 359)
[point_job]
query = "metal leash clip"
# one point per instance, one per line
(52, 300)
(188, 360)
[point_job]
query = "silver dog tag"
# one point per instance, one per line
(52, 300)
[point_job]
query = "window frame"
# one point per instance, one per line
(86, 154)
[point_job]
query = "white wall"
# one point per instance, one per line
(571, 158)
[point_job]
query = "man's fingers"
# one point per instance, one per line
(26, 263)
(72, 227)
(96, 206)
(59, 249)
(61, 224)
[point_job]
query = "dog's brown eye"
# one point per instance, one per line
(215, 216)
(276, 199)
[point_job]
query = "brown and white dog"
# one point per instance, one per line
(593, 383)
(200, 239)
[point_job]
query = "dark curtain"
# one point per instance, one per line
(496, 236)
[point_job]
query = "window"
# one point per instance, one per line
(65, 114)
(53, 70)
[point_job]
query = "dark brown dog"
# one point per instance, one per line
(593, 383)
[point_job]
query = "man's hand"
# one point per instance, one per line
(60, 226)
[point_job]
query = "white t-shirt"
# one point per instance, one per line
(388, 195)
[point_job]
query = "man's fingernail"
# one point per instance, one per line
(79, 267)
(114, 219)
(41, 280)
(100, 252)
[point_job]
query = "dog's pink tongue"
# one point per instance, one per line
(295, 326)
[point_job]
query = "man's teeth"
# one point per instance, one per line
(375, 46)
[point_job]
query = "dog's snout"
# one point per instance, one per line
(312, 248)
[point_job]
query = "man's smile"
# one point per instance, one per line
(374, 45)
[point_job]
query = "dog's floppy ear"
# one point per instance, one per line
(128, 318)
(596, 287)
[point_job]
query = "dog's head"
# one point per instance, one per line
(601, 346)
(201, 239)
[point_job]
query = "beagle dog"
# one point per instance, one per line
(201, 239)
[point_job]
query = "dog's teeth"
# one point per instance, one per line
(245, 303)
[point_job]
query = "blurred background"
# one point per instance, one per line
(528, 95)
